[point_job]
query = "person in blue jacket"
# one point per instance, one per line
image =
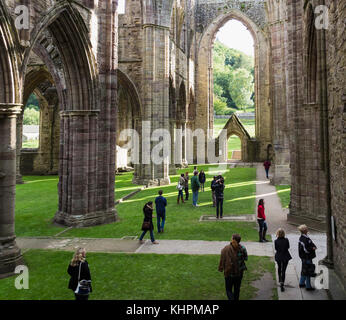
(160, 204)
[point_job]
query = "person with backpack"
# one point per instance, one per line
(148, 222)
(201, 179)
(307, 252)
(195, 187)
(232, 264)
(160, 205)
(80, 281)
(180, 187)
(219, 187)
(282, 256)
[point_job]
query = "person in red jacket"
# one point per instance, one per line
(261, 219)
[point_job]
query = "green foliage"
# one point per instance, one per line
(31, 117)
(284, 193)
(32, 102)
(229, 66)
(241, 87)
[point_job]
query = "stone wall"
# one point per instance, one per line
(336, 61)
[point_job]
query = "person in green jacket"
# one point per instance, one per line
(195, 187)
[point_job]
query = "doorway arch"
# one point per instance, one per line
(204, 72)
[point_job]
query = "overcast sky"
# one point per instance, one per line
(235, 35)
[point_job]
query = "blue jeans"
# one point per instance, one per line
(161, 224)
(305, 279)
(262, 225)
(219, 207)
(151, 235)
(267, 172)
(194, 197)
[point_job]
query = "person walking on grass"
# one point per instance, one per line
(261, 219)
(186, 186)
(307, 252)
(282, 256)
(80, 281)
(160, 205)
(219, 188)
(180, 187)
(232, 264)
(201, 179)
(212, 187)
(148, 222)
(267, 165)
(195, 187)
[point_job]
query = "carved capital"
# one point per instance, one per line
(10, 109)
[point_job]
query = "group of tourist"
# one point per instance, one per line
(233, 256)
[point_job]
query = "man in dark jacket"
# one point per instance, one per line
(195, 187)
(201, 179)
(212, 186)
(232, 264)
(307, 252)
(219, 187)
(160, 204)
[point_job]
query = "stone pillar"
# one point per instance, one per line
(278, 95)
(156, 98)
(77, 171)
(174, 145)
(19, 130)
(10, 255)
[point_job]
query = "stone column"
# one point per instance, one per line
(10, 255)
(77, 171)
(174, 146)
(278, 95)
(156, 98)
(19, 129)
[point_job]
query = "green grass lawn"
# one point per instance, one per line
(182, 221)
(284, 193)
(30, 144)
(37, 201)
(123, 185)
(133, 277)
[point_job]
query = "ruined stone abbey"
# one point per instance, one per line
(97, 72)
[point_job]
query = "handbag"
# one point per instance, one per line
(83, 287)
(145, 226)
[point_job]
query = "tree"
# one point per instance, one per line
(220, 106)
(225, 62)
(241, 88)
(31, 117)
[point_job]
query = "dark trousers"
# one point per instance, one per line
(262, 225)
(161, 218)
(181, 195)
(233, 284)
(219, 207)
(282, 266)
(81, 296)
(187, 193)
(267, 172)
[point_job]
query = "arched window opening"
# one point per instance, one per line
(234, 76)
(31, 123)
(234, 148)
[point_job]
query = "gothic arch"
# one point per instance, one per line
(67, 28)
(9, 60)
(204, 74)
